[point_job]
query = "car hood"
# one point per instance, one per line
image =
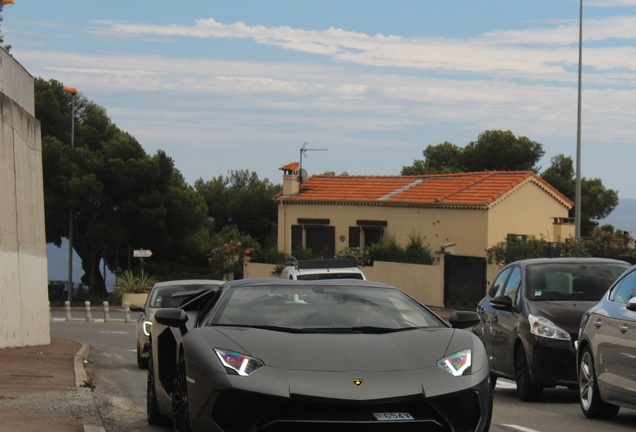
(565, 314)
(404, 350)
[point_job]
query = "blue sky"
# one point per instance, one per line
(228, 85)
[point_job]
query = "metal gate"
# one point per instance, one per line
(464, 281)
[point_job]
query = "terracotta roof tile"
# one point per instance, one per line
(292, 166)
(483, 188)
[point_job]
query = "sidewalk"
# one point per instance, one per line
(41, 389)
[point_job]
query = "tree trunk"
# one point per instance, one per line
(91, 257)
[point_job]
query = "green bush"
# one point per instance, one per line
(360, 254)
(129, 283)
(389, 250)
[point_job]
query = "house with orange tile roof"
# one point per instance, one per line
(463, 213)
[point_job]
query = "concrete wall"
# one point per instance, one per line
(23, 268)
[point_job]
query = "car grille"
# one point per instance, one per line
(241, 411)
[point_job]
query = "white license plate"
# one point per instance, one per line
(393, 416)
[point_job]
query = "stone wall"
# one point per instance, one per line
(23, 268)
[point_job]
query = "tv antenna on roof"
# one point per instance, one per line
(302, 176)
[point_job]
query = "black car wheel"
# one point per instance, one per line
(527, 390)
(589, 394)
(141, 362)
(152, 411)
(180, 409)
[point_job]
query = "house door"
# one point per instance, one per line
(464, 281)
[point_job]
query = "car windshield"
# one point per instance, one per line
(571, 281)
(319, 308)
(162, 296)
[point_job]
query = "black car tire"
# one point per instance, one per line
(180, 408)
(141, 362)
(589, 395)
(527, 390)
(493, 381)
(152, 410)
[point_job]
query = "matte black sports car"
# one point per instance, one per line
(341, 355)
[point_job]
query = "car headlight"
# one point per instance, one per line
(545, 328)
(457, 364)
(237, 363)
(146, 327)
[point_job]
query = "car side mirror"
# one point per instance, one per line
(631, 304)
(463, 319)
(172, 317)
(501, 303)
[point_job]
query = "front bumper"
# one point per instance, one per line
(553, 362)
(467, 410)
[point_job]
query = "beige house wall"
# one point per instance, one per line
(467, 229)
(425, 283)
(531, 211)
(24, 307)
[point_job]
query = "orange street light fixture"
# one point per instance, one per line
(7, 2)
(71, 90)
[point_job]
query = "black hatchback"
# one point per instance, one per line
(530, 319)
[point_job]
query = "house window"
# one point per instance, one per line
(367, 233)
(314, 234)
(372, 235)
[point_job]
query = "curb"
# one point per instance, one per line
(80, 378)
(80, 372)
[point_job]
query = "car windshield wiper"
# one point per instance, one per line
(263, 327)
(361, 329)
(373, 329)
(349, 330)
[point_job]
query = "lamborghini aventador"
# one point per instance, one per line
(331, 355)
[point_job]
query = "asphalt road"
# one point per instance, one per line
(121, 388)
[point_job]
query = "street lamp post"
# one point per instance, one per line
(73, 92)
(577, 199)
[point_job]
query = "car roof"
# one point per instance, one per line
(190, 282)
(328, 270)
(569, 260)
(255, 282)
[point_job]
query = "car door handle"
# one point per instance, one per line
(598, 323)
(623, 328)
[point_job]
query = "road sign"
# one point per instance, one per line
(142, 253)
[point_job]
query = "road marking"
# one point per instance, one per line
(503, 383)
(520, 428)
(114, 332)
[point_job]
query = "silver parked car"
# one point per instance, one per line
(606, 351)
(166, 294)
